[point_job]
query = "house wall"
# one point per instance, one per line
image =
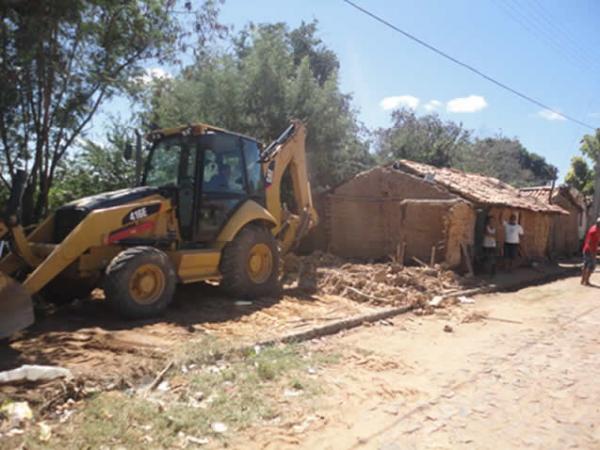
(444, 224)
(365, 215)
(460, 229)
(565, 229)
(536, 228)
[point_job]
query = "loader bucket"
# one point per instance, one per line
(16, 307)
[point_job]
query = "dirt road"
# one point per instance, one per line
(519, 370)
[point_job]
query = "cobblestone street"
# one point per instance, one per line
(518, 370)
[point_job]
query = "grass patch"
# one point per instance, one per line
(236, 389)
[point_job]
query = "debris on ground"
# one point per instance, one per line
(16, 414)
(243, 303)
(377, 283)
(45, 432)
(475, 316)
(34, 373)
(448, 329)
(464, 300)
(218, 427)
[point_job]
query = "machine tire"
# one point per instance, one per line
(238, 279)
(140, 282)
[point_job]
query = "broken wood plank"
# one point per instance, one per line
(418, 261)
(432, 258)
(160, 376)
(368, 296)
(499, 319)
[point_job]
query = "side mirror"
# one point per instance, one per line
(128, 151)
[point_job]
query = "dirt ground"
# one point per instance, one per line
(517, 370)
(387, 369)
(91, 341)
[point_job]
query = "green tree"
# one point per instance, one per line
(60, 60)
(580, 176)
(508, 160)
(426, 139)
(271, 75)
(94, 168)
(590, 147)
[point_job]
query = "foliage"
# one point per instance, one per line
(433, 141)
(271, 75)
(425, 139)
(590, 147)
(580, 176)
(508, 160)
(60, 61)
(93, 169)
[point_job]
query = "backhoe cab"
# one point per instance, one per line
(208, 208)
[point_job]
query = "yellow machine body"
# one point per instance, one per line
(79, 241)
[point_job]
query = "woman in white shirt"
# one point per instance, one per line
(489, 245)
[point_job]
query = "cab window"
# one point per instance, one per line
(253, 167)
(223, 167)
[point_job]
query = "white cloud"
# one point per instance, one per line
(432, 105)
(153, 74)
(407, 101)
(470, 104)
(550, 115)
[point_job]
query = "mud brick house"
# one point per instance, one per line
(423, 207)
(567, 231)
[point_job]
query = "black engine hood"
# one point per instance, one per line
(110, 199)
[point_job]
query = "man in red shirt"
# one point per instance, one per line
(590, 251)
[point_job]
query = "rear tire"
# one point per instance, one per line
(250, 264)
(140, 282)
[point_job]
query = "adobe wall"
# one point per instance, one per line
(536, 229)
(565, 229)
(364, 213)
(444, 224)
(461, 229)
(422, 225)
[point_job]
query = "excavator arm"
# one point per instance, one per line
(16, 307)
(288, 153)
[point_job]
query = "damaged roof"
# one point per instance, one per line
(478, 188)
(542, 193)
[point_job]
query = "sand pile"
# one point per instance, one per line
(378, 283)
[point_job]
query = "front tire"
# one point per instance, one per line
(250, 264)
(140, 282)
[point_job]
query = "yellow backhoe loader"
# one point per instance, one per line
(208, 207)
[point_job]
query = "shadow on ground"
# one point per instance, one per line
(91, 324)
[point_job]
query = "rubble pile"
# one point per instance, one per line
(378, 283)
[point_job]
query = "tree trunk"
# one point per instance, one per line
(27, 206)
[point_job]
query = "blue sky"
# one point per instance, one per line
(547, 49)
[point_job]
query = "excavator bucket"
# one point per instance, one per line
(16, 307)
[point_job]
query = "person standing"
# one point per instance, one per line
(489, 245)
(590, 252)
(512, 238)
